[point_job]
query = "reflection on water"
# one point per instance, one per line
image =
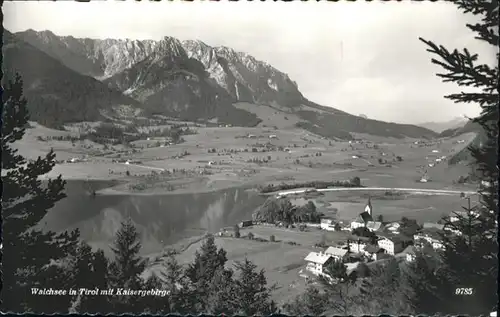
(161, 219)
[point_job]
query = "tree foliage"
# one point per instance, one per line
(470, 260)
(127, 267)
(281, 210)
(33, 258)
(252, 295)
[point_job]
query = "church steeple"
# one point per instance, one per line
(368, 207)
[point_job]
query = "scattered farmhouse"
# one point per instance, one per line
(317, 262)
(246, 223)
(327, 223)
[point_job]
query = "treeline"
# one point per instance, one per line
(354, 182)
(276, 210)
(109, 133)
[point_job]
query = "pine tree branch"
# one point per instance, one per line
(461, 68)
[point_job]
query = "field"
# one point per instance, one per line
(225, 156)
(421, 207)
(282, 270)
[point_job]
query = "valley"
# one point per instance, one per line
(186, 139)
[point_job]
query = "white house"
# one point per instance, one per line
(409, 254)
(326, 223)
(357, 247)
(393, 226)
(357, 223)
(317, 262)
(392, 244)
(336, 253)
(431, 236)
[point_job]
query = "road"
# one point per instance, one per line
(345, 189)
(144, 166)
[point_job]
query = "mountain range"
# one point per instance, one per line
(445, 125)
(80, 79)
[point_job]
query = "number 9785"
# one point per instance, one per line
(463, 291)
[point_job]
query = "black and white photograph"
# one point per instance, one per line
(303, 158)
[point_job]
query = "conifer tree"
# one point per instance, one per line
(202, 271)
(32, 258)
(312, 302)
(91, 272)
(252, 295)
(470, 260)
(127, 267)
(338, 287)
(154, 304)
(181, 298)
(221, 293)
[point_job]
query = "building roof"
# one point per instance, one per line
(368, 207)
(373, 225)
(318, 258)
(409, 250)
(393, 224)
(351, 267)
(394, 238)
(365, 217)
(428, 225)
(430, 232)
(372, 248)
(336, 251)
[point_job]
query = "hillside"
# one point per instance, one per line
(56, 93)
(194, 81)
(442, 126)
(464, 155)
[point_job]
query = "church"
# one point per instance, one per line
(363, 218)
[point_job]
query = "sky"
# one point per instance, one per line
(360, 57)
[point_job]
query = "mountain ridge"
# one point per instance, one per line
(57, 94)
(193, 80)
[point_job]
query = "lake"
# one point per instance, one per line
(162, 220)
